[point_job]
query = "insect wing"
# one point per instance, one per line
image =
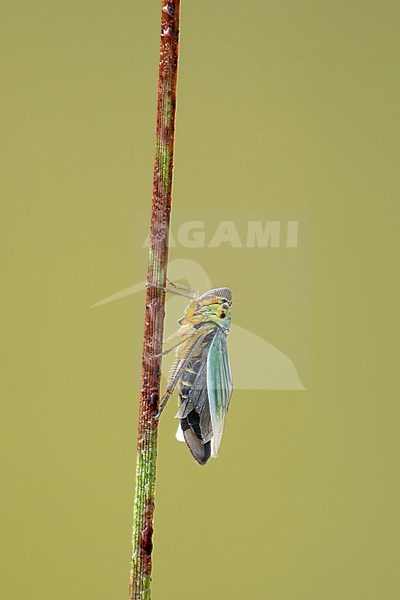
(178, 366)
(194, 413)
(219, 387)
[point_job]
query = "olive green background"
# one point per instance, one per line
(282, 106)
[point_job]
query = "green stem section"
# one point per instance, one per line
(142, 545)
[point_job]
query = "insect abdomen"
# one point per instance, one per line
(194, 412)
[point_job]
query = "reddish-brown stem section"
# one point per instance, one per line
(142, 546)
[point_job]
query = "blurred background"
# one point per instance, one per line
(287, 112)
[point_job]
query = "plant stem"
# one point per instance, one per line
(141, 563)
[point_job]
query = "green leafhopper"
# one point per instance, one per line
(201, 372)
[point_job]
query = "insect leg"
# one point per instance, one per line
(172, 384)
(167, 351)
(175, 292)
(165, 397)
(170, 337)
(179, 286)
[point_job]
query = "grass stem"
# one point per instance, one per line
(142, 545)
